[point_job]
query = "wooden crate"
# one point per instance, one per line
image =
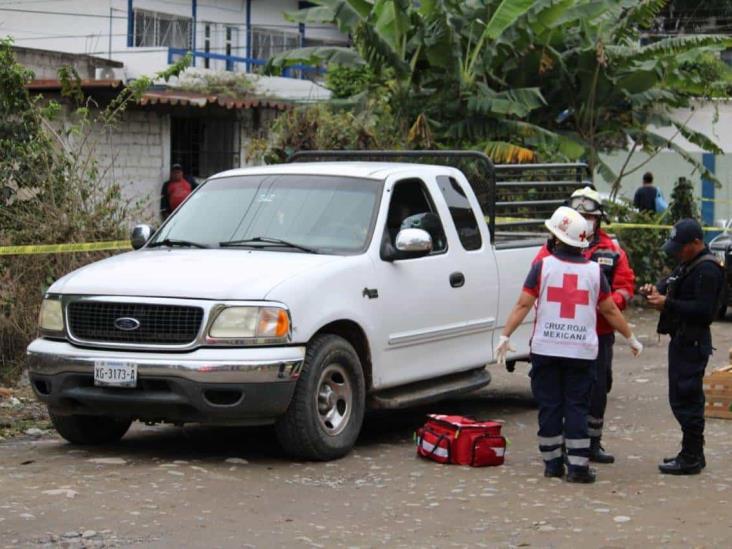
(718, 393)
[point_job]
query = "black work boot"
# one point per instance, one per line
(690, 460)
(598, 453)
(581, 475)
(682, 465)
(702, 460)
(554, 468)
(694, 444)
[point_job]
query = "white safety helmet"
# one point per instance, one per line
(586, 201)
(570, 227)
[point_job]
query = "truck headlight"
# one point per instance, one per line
(51, 317)
(253, 324)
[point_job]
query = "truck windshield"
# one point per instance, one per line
(314, 213)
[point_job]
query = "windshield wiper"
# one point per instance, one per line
(170, 242)
(267, 241)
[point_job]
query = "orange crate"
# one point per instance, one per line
(718, 393)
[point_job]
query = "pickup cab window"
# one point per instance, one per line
(461, 212)
(324, 214)
(411, 198)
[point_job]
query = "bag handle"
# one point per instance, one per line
(436, 445)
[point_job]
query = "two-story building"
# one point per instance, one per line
(145, 35)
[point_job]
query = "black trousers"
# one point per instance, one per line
(601, 386)
(687, 361)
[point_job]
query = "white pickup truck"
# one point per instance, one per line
(298, 295)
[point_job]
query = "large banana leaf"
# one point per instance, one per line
(506, 14)
(502, 152)
(314, 56)
(391, 22)
(442, 45)
(346, 14)
(311, 16)
(661, 142)
(518, 101)
(670, 47)
(692, 136)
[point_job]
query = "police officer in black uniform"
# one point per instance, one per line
(688, 300)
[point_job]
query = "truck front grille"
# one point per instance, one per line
(156, 324)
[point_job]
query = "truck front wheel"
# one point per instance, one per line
(326, 412)
(90, 430)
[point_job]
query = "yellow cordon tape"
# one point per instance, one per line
(650, 226)
(66, 248)
(116, 245)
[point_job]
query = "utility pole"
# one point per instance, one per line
(110, 31)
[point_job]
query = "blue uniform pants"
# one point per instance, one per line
(562, 387)
(601, 386)
(687, 361)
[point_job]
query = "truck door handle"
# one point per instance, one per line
(457, 280)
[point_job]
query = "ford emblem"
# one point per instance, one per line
(127, 324)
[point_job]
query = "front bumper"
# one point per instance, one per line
(242, 386)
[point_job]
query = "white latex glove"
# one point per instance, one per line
(635, 346)
(502, 349)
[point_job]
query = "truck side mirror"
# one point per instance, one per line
(140, 235)
(410, 244)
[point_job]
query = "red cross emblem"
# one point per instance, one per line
(583, 236)
(569, 296)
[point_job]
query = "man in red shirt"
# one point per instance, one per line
(614, 264)
(174, 191)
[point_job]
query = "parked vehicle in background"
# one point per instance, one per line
(297, 295)
(721, 246)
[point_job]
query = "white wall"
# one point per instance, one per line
(83, 26)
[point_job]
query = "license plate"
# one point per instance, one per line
(115, 374)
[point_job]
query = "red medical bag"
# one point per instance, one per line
(461, 440)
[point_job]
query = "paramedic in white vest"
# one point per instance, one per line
(568, 290)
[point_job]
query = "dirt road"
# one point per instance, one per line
(196, 487)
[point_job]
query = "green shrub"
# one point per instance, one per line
(682, 204)
(345, 82)
(324, 127)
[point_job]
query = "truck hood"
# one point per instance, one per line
(197, 274)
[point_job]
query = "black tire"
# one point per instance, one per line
(304, 432)
(90, 430)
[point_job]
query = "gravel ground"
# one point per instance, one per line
(207, 487)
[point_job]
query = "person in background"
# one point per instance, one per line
(688, 299)
(615, 266)
(645, 196)
(175, 190)
(568, 291)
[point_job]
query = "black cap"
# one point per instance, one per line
(684, 232)
(176, 166)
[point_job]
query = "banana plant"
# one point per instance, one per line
(569, 77)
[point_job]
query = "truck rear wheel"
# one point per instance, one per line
(326, 412)
(90, 430)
